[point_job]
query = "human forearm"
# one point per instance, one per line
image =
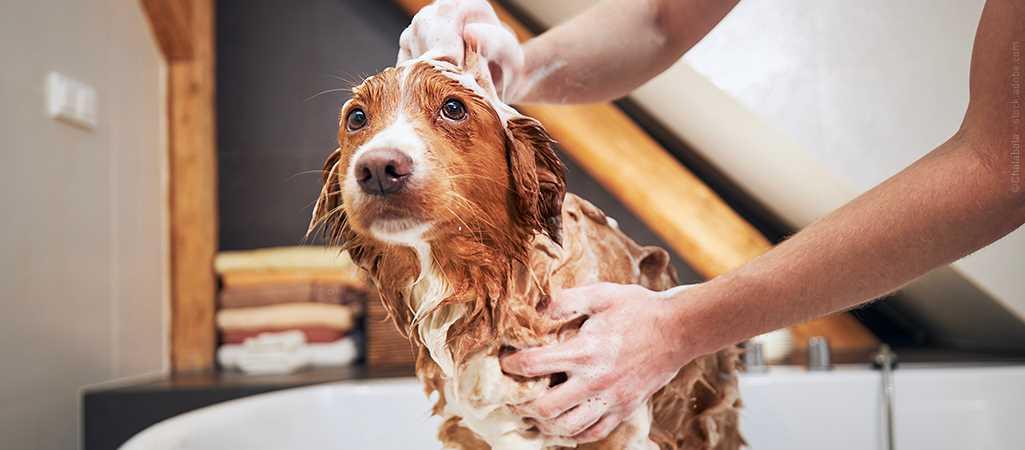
(948, 204)
(962, 196)
(613, 47)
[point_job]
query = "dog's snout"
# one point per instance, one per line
(383, 171)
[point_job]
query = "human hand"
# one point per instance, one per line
(629, 347)
(447, 28)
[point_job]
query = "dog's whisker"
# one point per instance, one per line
(312, 171)
(326, 91)
(473, 208)
(477, 235)
(480, 178)
(305, 172)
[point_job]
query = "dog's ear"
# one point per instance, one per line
(655, 268)
(328, 216)
(538, 177)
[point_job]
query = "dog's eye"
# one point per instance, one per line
(453, 109)
(355, 120)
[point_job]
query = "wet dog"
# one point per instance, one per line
(455, 205)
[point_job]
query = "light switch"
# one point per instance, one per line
(71, 101)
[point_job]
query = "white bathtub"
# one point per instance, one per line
(936, 409)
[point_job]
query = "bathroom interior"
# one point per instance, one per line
(163, 158)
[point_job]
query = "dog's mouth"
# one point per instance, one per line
(390, 213)
(400, 231)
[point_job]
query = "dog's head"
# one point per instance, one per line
(424, 156)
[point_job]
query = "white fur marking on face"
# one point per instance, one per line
(402, 136)
(399, 135)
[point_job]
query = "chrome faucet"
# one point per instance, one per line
(818, 353)
(754, 357)
(886, 360)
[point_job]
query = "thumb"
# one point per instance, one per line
(493, 41)
(499, 46)
(568, 304)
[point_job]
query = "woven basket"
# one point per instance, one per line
(385, 346)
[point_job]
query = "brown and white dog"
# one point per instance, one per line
(456, 207)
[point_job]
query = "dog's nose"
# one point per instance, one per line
(383, 171)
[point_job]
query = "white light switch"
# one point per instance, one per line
(71, 101)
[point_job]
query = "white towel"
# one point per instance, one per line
(286, 352)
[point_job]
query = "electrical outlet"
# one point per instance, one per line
(71, 101)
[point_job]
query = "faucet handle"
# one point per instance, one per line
(818, 353)
(885, 358)
(754, 357)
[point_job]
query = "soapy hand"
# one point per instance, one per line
(629, 347)
(447, 28)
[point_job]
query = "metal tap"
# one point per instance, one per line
(818, 353)
(754, 357)
(886, 360)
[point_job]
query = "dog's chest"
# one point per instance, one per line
(475, 390)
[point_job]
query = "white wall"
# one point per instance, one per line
(83, 266)
(806, 104)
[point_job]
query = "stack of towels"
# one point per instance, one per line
(281, 309)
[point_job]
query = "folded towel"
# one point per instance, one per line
(298, 292)
(286, 316)
(285, 352)
(284, 258)
(312, 334)
(264, 278)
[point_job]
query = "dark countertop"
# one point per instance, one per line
(113, 413)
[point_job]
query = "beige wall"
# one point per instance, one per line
(83, 266)
(806, 104)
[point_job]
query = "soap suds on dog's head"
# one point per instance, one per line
(474, 75)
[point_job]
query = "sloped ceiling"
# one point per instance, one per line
(808, 104)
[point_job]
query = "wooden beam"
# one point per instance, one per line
(171, 24)
(665, 195)
(193, 192)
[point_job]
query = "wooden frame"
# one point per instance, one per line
(184, 31)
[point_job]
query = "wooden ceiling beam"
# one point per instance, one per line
(171, 21)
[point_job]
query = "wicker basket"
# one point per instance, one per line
(385, 346)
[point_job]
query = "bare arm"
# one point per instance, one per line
(601, 54)
(613, 47)
(960, 197)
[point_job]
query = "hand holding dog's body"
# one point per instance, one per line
(608, 378)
